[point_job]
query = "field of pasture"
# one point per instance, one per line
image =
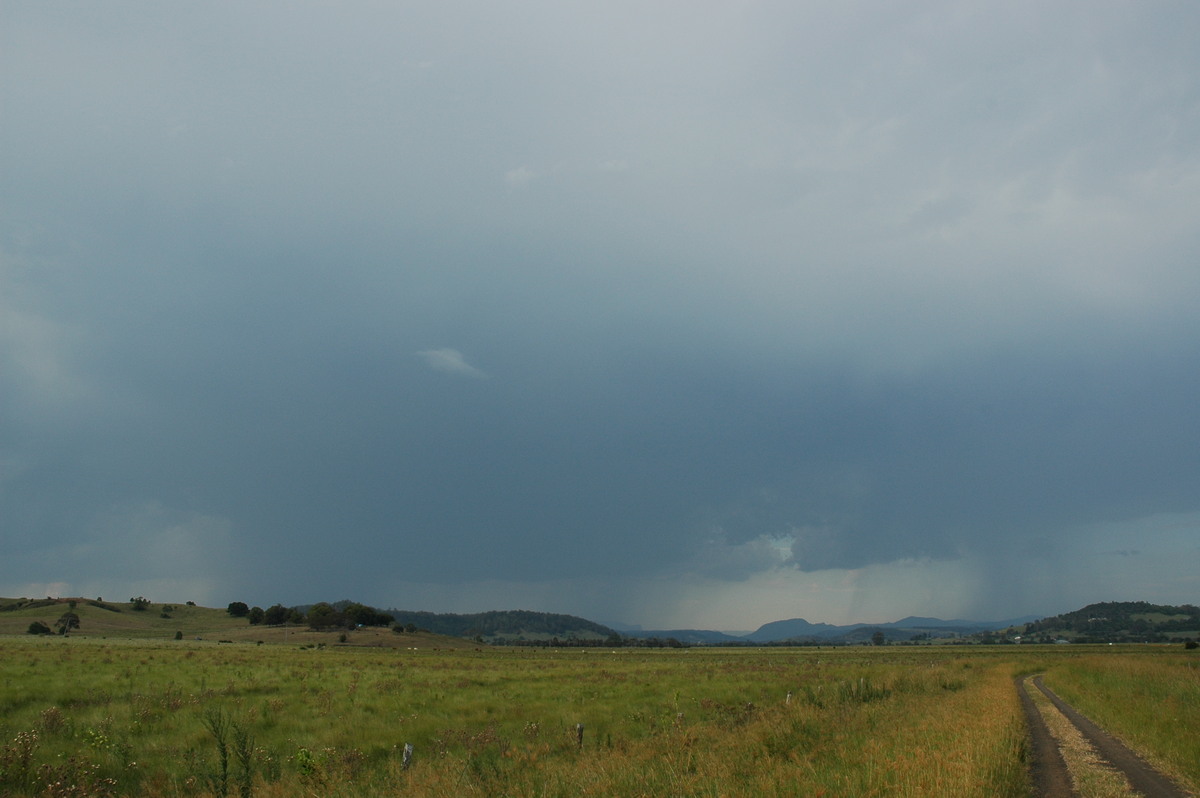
(198, 718)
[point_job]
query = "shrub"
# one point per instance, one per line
(39, 628)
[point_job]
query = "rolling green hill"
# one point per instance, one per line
(116, 619)
(120, 620)
(1120, 622)
(505, 625)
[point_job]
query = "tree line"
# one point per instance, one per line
(322, 615)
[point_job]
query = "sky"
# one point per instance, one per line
(670, 314)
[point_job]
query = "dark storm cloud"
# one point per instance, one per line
(478, 299)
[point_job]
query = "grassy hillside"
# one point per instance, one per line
(1121, 621)
(505, 625)
(1117, 622)
(101, 619)
(116, 619)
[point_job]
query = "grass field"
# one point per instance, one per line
(159, 717)
(1150, 701)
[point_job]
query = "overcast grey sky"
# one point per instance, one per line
(676, 314)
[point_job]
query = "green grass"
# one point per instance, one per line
(503, 721)
(144, 717)
(1147, 696)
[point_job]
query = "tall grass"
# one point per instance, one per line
(1149, 697)
(196, 719)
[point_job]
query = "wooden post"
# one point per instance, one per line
(406, 759)
(579, 734)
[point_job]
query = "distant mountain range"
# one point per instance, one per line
(526, 626)
(1106, 622)
(798, 630)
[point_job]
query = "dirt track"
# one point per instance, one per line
(1050, 776)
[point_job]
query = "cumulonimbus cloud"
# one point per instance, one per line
(450, 361)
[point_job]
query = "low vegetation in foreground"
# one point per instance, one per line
(141, 699)
(83, 717)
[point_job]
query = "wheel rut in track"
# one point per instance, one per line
(1049, 769)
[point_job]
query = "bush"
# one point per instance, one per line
(39, 628)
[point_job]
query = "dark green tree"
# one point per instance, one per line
(67, 622)
(322, 615)
(39, 628)
(238, 609)
(255, 615)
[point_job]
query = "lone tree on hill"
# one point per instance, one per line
(67, 622)
(238, 609)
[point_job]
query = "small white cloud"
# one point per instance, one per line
(38, 589)
(519, 177)
(450, 361)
